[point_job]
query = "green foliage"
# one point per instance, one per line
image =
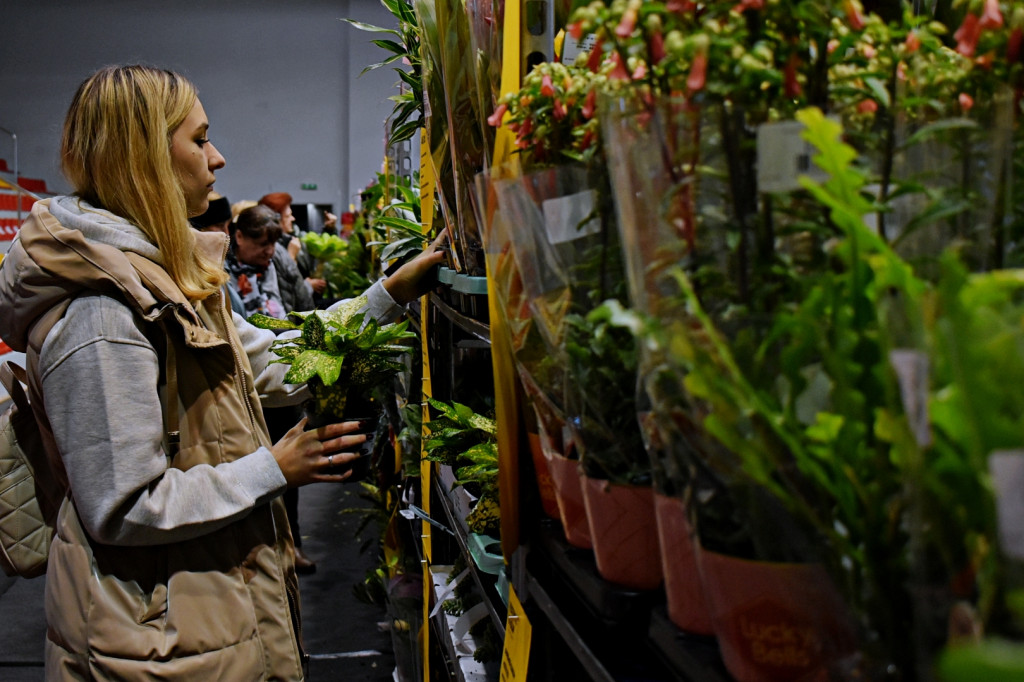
(466, 441)
(407, 115)
(602, 360)
(339, 352)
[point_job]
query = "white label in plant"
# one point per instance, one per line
(1007, 470)
(783, 156)
(571, 217)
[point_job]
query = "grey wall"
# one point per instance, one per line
(278, 79)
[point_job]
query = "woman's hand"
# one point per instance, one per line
(410, 281)
(294, 247)
(305, 456)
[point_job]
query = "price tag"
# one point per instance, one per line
(573, 48)
(516, 655)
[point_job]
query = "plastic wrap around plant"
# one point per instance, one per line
(458, 131)
(568, 254)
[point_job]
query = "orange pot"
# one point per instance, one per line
(545, 485)
(565, 477)
(684, 592)
(624, 533)
(775, 622)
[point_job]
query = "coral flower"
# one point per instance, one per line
(640, 71)
(547, 88)
(576, 30)
(499, 113)
(913, 42)
(967, 35)
(991, 16)
(966, 101)
(867, 106)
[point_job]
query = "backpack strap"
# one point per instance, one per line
(14, 378)
(53, 468)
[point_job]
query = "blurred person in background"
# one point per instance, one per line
(291, 238)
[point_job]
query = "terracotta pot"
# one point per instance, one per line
(565, 478)
(624, 533)
(775, 622)
(684, 592)
(545, 485)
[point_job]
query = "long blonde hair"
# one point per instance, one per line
(116, 152)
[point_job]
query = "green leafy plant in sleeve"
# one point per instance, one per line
(793, 406)
(340, 354)
(467, 442)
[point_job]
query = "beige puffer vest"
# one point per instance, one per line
(220, 607)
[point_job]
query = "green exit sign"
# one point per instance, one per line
(309, 185)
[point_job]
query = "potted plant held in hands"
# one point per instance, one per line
(346, 361)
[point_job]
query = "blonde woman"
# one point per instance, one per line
(172, 559)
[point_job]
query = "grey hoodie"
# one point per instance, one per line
(100, 377)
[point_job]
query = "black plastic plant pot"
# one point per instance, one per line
(368, 416)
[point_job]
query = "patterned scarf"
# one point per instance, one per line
(247, 279)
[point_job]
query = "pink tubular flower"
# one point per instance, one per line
(967, 35)
(680, 6)
(639, 72)
(744, 5)
(698, 73)
(627, 24)
(596, 56)
(559, 110)
(913, 42)
(1013, 45)
(589, 105)
(853, 15)
(991, 16)
(966, 101)
(547, 88)
(657, 43)
(791, 86)
(619, 72)
(499, 113)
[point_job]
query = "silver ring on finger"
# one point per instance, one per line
(330, 460)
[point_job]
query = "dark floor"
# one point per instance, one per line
(343, 635)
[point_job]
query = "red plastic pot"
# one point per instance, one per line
(624, 533)
(775, 622)
(684, 592)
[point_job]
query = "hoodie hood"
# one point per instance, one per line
(67, 248)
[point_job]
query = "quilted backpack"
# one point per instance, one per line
(33, 482)
(27, 509)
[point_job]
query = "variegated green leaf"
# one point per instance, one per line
(313, 332)
(312, 363)
(266, 322)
